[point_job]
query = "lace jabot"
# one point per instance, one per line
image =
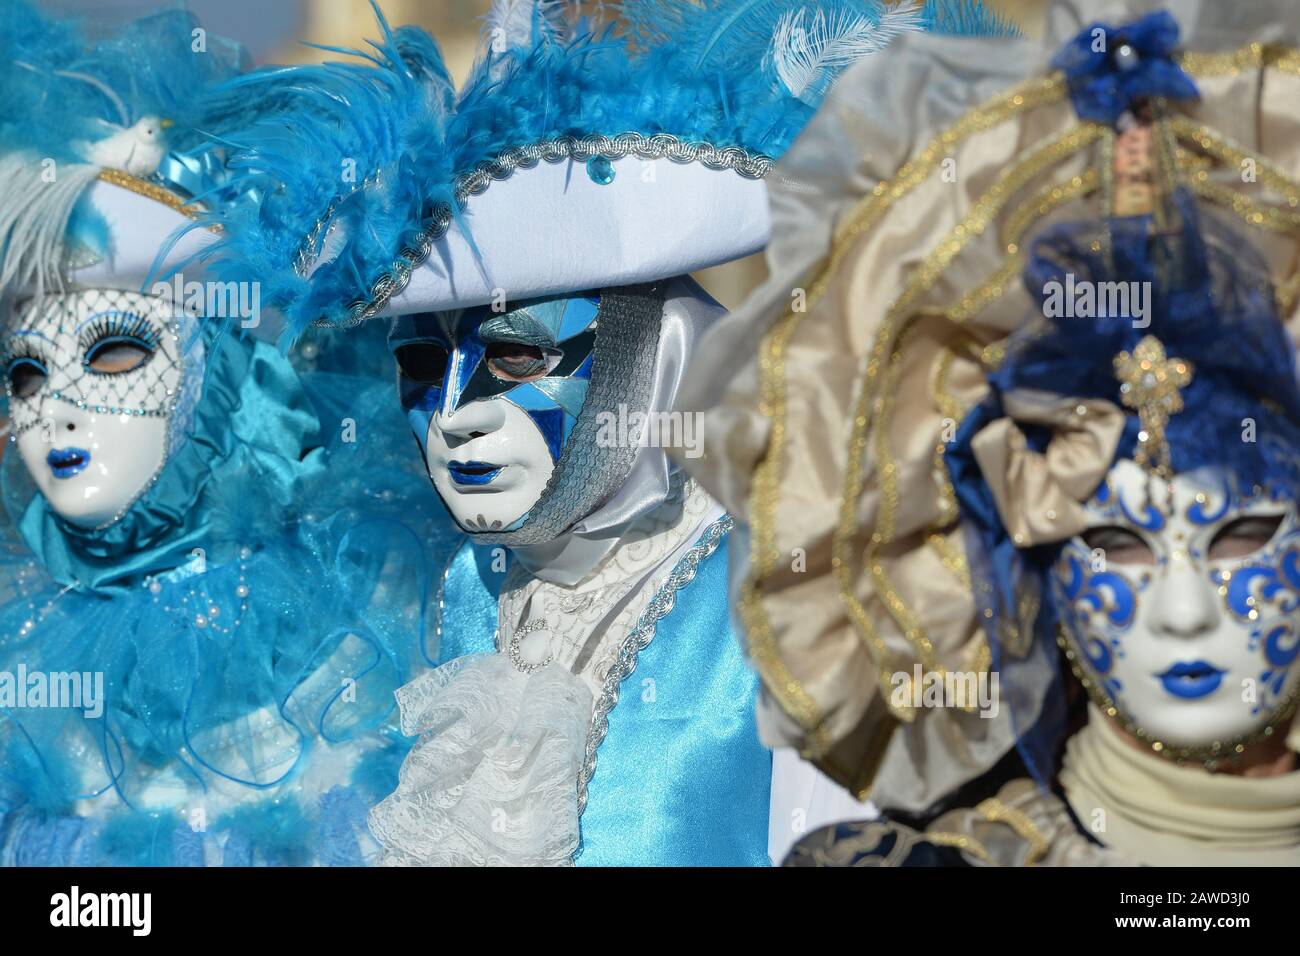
(508, 739)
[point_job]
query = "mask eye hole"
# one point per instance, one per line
(1244, 536)
(115, 342)
(517, 362)
(422, 362)
(118, 355)
(1119, 545)
(26, 375)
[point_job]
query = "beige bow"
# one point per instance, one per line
(1040, 495)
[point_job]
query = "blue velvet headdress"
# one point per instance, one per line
(1211, 303)
(396, 152)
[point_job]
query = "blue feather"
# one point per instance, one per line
(697, 71)
(60, 83)
(967, 18)
(730, 22)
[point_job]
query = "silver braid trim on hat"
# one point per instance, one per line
(416, 248)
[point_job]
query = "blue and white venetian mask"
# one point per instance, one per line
(98, 382)
(1182, 605)
(504, 404)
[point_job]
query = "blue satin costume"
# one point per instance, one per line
(681, 778)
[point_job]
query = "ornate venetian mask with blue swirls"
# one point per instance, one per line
(1183, 606)
(492, 396)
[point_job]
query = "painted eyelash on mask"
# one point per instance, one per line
(19, 352)
(121, 326)
(17, 349)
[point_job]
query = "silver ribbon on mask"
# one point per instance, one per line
(589, 472)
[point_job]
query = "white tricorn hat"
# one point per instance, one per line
(576, 156)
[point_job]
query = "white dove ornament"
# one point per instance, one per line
(137, 149)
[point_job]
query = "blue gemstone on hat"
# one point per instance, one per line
(601, 170)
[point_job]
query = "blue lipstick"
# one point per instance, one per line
(66, 462)
(1191, 680)
(473, 472)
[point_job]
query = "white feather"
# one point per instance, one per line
(807, 53)
(509, 23)
(98, 84)
(104, 88)
(34, 215)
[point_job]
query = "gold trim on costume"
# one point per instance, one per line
(789, 693)
(1251, 212)
(1252, 56)
(962, 842)
(950, 557)
(157, 193)
(1233, 154)
(995, 811)
(924, 277)
(952, 410)
(1287, 293)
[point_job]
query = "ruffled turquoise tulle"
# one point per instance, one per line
(250, 616)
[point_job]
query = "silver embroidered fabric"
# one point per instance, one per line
(661, 604)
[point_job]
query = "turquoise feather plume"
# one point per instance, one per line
(710, 71)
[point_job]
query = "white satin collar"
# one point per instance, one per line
(654, 478)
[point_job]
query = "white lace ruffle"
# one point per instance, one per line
(493, 778)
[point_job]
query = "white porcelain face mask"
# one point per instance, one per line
(1183, 609)
(93, 379)
(492, 398)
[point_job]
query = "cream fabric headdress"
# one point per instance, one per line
(900, 222)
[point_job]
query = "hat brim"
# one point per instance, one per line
(138, 227)
(552, 229)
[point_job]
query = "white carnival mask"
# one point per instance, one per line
(1181, 607)
(492, 398)
(94, 379)
(511, 404)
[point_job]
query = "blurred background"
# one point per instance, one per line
(272, 31)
